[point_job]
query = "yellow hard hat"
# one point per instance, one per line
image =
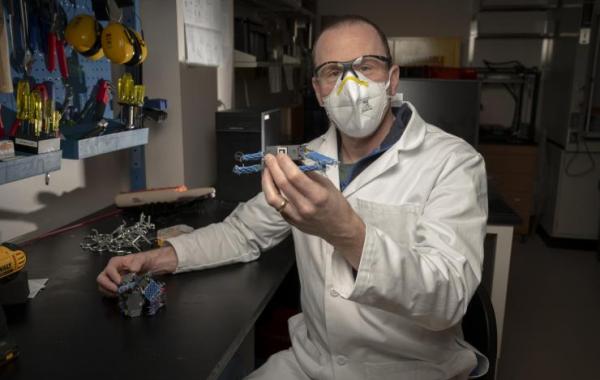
(122, 45)
(83, 33)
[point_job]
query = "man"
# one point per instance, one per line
(389, 245)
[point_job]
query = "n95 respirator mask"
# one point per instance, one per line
(356, 104)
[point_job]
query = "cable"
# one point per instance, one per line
(318, 157)
(310, 168)
(73, 226)
(239, 170)
(574, 156)
(250, 157)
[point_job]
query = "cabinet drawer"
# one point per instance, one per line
(509, 159)
(522, 204)
(511, 183)
(510, 164)
(500, 150)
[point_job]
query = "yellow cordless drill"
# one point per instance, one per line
(12, 262)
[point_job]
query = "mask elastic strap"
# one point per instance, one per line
(396, 100)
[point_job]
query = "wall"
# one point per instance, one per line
(182, 149)
(198, 105)
(29, 207)
(164, 158)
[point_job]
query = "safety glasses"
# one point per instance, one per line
(374, 67)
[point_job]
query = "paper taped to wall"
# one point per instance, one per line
(203, 27)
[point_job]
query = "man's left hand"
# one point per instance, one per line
(310, 202)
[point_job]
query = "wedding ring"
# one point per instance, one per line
(284, 202)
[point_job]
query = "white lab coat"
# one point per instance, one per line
(424, 203)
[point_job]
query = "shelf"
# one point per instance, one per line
(514, 36)
(251, 65)
(245, 60)
(525, 7)
(517, 8)
(502, 81)
(25, 166)
(289, 60)
(282, 6)
(94, 146)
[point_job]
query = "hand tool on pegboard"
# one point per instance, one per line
(28, 55)
(9, 15)
(1, 124)
(67, 106)
(43, 105)
(96, 104)
(51, 115)
(6, 84)
(102, 98)
(23, 105)
(53, 18)
(36, 111)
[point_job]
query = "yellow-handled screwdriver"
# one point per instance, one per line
(23, 100)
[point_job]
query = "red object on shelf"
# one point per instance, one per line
(453, 73)
(439, 72)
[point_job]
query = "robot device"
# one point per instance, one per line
(141, 294)
(306, 159)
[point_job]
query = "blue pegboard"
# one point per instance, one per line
(84, 74)
(137, 161)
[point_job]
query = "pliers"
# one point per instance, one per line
(56, 43)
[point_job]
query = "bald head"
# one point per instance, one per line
(347, 35)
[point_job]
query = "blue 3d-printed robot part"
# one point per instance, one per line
(306, 159)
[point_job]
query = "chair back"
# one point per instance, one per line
(479, 328)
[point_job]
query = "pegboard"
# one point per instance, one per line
(84, 73)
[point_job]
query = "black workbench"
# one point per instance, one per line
(68, 331)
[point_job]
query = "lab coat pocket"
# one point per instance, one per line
(413, 370)
(397, 221)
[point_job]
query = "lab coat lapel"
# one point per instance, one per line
(411, 138)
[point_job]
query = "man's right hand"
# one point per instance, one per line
(158, 261)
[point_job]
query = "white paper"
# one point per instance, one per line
(203, 13)
(35, 285)
(203, 46)
(204, 21)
